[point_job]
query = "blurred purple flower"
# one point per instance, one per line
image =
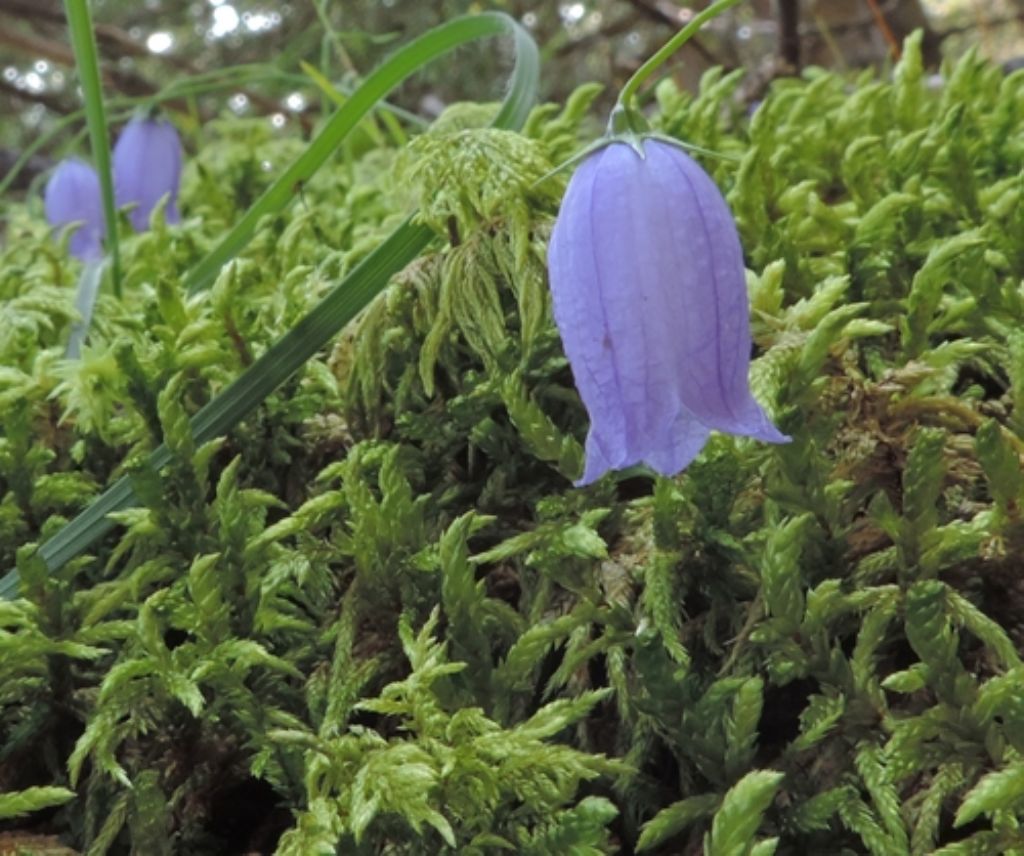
(650, 297)
(72, 195)
(147, 165)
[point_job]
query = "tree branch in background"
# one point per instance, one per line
(885, 29)
(48, 99)
(109, 38)
(615, 28)
(36, 47)
(894, 19)
(1005, 20)
(114, 44)
(41, 11)
(789, 34)
(674, 17)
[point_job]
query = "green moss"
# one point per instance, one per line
(378, 618)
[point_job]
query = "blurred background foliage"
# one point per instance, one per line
(246, 57)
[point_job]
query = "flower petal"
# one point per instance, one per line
(607, 260)
(72, 195)
(577, 287)
(628, 244)
(649, 294)
(709, 304)
(147, 166)
(680, 442)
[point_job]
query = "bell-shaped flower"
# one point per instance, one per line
(649, 295)
(147, 166)
(72, 195)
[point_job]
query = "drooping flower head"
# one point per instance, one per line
(649, 295)
(72, 195)
(146, 166)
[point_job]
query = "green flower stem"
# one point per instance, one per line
(638, 79)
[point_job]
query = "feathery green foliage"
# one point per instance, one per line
(376, 614)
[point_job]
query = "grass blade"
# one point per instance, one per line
(249, 390)
(386, 77)
(83, 41)
(324, 321)
(85, 300)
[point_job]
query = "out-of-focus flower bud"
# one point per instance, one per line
(147, 166)
(649, 295)
(72, 195)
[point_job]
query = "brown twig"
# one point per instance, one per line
(241, 347)
(885, 29)
(789, 33)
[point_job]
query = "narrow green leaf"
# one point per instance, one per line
(922, 478)
(397, 68)
(83, 41)
(674, 819)
(342, 304)
(781, 575)
(1001, 789)
(878, 778)
(945, 257)
(741, 726)
(1002, 466)
(736, 822)
(20, 803)
(818, 811)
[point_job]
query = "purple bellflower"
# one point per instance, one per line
(146, 166)
(72, 195)
(650, 297)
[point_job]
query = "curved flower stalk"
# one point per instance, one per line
(649, 294)
(72, 195)
(147, 166)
